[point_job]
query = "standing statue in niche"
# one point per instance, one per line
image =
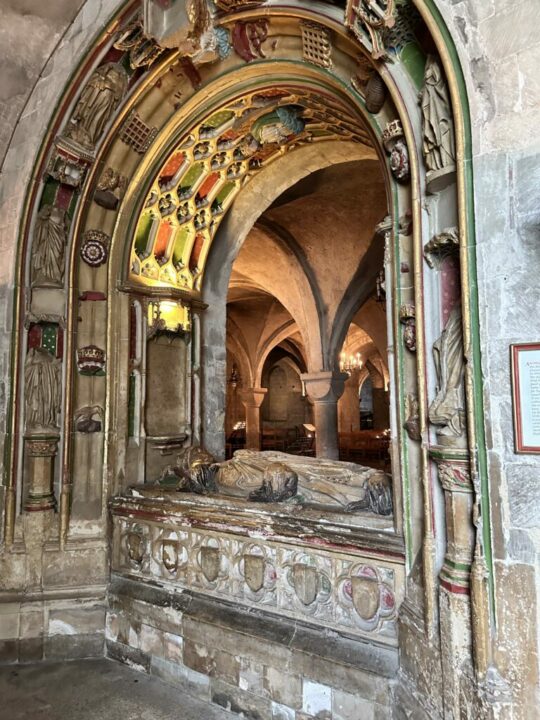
(43, 390)
(98, 101)
(437, 124)
(447, 410)
(50, 236)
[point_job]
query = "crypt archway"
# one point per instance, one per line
(131, 267)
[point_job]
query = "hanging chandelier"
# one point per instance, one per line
(349, 362)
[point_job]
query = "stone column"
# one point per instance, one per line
(41, 453)
(349, 405)
(253, 399)
(381, 409)
(455, 575)
(324, 390)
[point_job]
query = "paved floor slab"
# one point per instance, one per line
(94, 690)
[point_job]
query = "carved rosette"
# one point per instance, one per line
(95, 247)
(394, 143)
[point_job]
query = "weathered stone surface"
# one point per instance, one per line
(238, 701)
(345, 706)
(317, 699)
(212, 661)
(68, 621)
(57, 647)
(284, 687)
(191, 682)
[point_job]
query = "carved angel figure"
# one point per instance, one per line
(50, 236)
(42, 381)
(437, 123)
(448, 408)
(97, 102)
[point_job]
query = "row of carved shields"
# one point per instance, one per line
(368, 596)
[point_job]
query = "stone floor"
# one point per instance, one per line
(94, 690)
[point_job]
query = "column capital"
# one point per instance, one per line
(325, 386)
(253, 397)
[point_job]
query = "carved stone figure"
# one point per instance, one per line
(99, 99)
(278, 477)
(110, 189)
(191, 473)
(50, 236)
(89, 419)
(407, 317)
(320, 481)
(412, 423)
(447, 410)
(42, 381)
(438, 126)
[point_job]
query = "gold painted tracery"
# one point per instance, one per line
(214, 160)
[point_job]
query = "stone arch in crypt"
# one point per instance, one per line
(93, 192)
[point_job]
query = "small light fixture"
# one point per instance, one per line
(170, 316)
(234, 377)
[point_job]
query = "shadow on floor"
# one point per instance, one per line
(94, 690)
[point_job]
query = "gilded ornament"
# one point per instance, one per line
(91, 360)
(370, 21)
(142, 50)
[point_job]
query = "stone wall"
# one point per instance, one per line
(499, 47)
(250, 663)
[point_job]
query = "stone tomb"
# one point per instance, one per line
(266, 608)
